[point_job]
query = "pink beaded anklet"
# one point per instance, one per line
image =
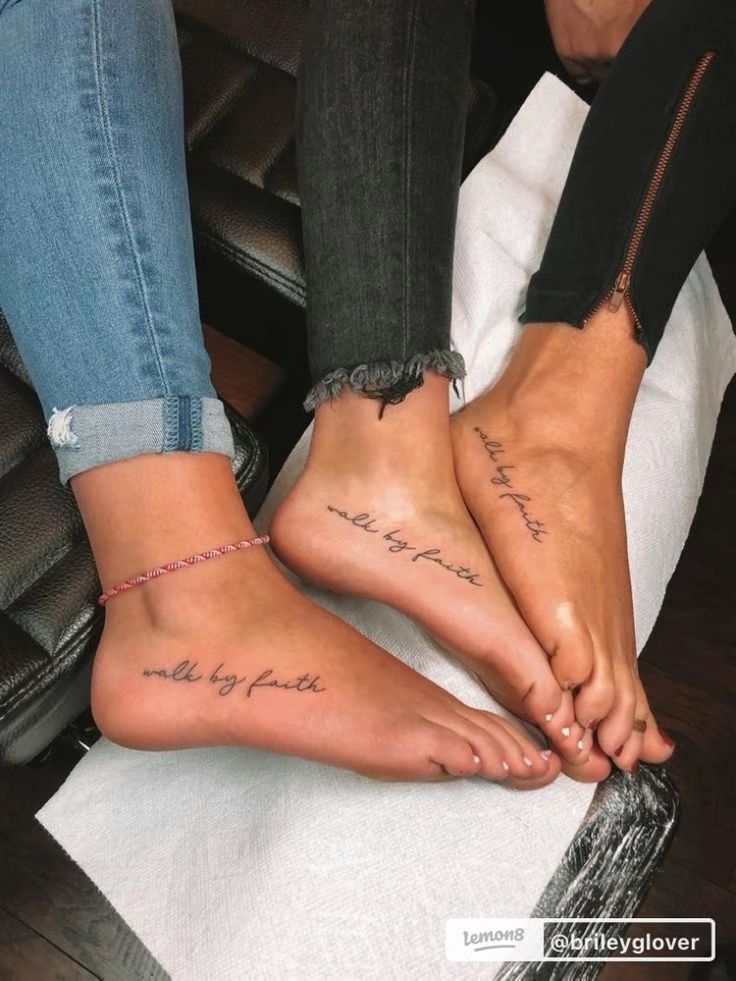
(161, 570)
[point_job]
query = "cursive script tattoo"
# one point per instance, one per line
(183, 671)
(501, 478)
(225, 683)
(363, 521)
(304, 682)
(397, 544)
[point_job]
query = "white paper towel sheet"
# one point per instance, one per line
(233, 864)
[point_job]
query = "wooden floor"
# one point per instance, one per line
(55, 925)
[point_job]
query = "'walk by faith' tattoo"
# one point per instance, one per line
(189, 672)
(502, 478)
(397, 545)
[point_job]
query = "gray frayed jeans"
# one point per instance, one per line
(382, 100)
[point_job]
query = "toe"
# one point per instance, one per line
(594, 700)
(534, 783)
(528, 760)
(488, 746)
(504, 751)
(614, 731)
(446, 754)
(628, 758)
(656, 744)
(571, 653)
(542, 699)
(566, 735)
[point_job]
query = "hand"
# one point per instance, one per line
(587, 34)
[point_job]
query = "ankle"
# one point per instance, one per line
(353, 434)
(199, 599)
(576, 387)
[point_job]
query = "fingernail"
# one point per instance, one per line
(505, 765)
(527, 761)
(619, 751)
(591, 725)
(580, 743)
(476, 759)
(548, 717)
(545, 754)
(565, 731)
(666, 738)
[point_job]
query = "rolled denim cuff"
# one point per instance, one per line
(87, 436)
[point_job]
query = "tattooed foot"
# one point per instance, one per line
(229, 653)
(539, 462)
(407, 540)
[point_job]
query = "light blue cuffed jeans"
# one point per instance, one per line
(97, 277)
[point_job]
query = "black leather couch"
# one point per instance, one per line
(240, 61)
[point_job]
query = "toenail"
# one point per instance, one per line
(545, 754)
(571, 686)
(565, 730)
(635, 767)
(527, 761)
(580, 743)
(592, 725)
(505, 765)
(666, 738)
(619, 751)
(476, 759)
(548, 717)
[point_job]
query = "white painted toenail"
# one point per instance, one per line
(476, 759)
(505, 765)
(565, 731)
(580, 743)
(548, 717)
(528, 761)
(545, 754)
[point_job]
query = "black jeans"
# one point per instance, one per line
(381, 119)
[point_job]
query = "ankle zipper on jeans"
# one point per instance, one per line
(622, 286)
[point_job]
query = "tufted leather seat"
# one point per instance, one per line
(240, 60)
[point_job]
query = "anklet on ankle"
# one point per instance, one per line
(161, 570)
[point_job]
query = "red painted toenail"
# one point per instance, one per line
(667, 739)
(592, 725)
(635, 767)
(619, 751)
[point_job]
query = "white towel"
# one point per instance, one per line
(233, 864)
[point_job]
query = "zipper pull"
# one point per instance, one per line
(619, 291)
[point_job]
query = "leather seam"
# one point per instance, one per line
(252, 264)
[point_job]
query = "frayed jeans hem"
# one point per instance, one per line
(389, 382)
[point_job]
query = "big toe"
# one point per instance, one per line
(436, 753)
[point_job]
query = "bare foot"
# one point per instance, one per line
(377, 513)
(539, 461)
(228, 653)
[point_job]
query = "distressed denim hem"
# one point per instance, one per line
(87, 436)
(386, 381)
